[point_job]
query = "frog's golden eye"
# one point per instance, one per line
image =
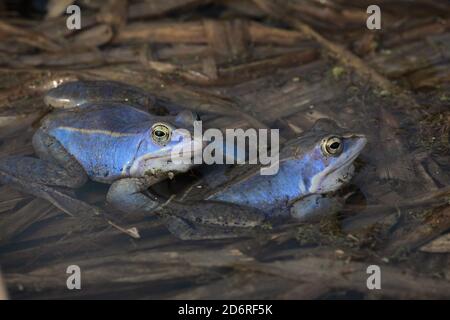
(332, 146)
(161, 133)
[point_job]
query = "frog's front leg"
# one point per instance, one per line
(127, 194)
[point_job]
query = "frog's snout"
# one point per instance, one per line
(360, 141)
(55, 98)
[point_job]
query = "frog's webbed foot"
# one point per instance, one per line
(127, 195)
(210, 220)
(314, 207)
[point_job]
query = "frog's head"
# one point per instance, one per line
(325, 156)
(169, 146)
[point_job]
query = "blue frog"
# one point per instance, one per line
(312, 167)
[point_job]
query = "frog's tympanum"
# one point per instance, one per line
(103, 132)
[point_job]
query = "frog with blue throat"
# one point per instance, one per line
(312, 167)
(102, 131)
(109, 136)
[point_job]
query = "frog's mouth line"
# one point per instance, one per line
(163, 160)
(168, 155)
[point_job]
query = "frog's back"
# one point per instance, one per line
(115, 117)
(105, 139)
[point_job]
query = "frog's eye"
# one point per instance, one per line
(332, 146)
(161, 133)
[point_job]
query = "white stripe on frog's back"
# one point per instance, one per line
(97, 131)
(103, 153)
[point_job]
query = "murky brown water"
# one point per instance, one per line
(397, 215)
